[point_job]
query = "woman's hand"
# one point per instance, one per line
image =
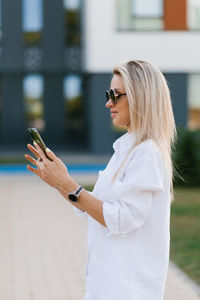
(53, 172)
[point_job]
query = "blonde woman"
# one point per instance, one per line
(129, 209)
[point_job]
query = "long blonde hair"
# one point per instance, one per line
(151, 113)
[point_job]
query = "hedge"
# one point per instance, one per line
(186, 157)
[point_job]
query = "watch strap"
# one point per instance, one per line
(73, 196)
(77, 192)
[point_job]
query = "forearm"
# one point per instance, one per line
(86, 202)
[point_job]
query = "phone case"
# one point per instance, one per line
(37, 138)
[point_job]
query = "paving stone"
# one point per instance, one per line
(43, 245)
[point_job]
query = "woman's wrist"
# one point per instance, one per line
(67, 186)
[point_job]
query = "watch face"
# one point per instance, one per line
(72, 197)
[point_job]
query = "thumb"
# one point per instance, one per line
(50, 154)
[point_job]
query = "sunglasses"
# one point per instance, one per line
(113, 95)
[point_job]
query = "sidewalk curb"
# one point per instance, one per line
(194, 286)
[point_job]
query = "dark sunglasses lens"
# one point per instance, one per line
(112, 95)
(107, 95)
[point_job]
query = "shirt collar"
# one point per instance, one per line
(124, 143)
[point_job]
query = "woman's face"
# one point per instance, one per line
(119, 111)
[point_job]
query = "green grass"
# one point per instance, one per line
(89, 187)
(8, 160)
(185, 231)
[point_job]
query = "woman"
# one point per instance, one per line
(129, 209)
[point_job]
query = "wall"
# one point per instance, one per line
(172, 51)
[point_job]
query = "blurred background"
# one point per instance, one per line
(56, 61)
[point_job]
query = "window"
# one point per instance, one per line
(140, 14)
(73, 105)
(72, 22)
(147, 8)
(32, 20)
(158, 15)
(33, 88)
(72, 4)
(193, 14)
(194, 101)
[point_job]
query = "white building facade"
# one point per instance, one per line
(165, 33)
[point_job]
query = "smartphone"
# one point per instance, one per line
(37, 138)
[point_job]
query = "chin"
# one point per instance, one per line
(118, 124)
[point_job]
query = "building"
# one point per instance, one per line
(56, 60)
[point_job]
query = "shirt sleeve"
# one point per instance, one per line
(132, 194)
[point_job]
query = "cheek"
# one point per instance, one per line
(126, 113)
(127, 116)
(124, 117)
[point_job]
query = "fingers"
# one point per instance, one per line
(33, 150)
(30, 159)
(50, 154)
(40, 151)
(33, 170)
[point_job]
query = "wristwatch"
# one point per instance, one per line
(73, 196)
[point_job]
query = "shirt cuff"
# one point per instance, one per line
(78, 212)
(110, 213)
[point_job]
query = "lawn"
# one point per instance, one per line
(185, 231)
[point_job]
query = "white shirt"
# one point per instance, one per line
(129, 259)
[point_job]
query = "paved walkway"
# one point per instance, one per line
(43, 246)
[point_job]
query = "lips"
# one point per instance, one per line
(113, 113)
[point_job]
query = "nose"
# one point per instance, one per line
(109, 103)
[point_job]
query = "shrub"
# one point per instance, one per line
(186, 157)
